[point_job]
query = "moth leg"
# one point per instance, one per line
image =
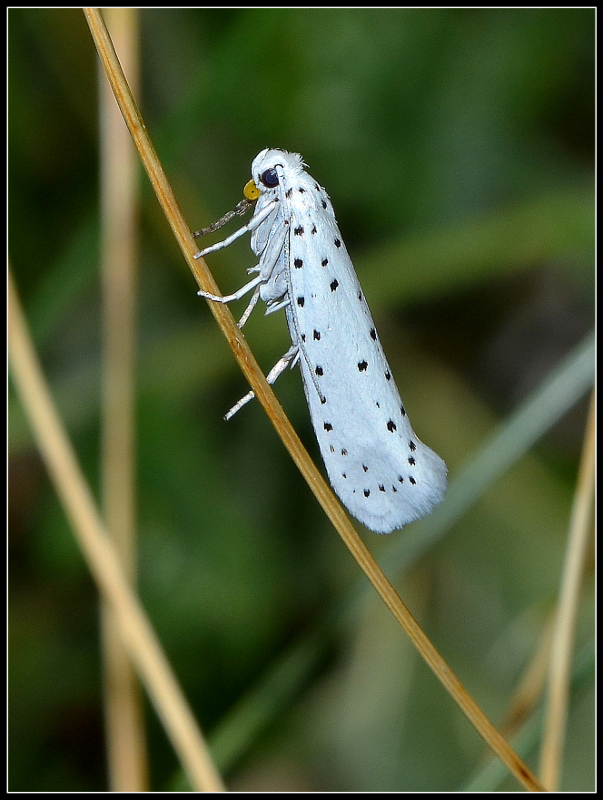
(252, 225)
(276, 306)
(290, 357)
(252, 304)
(230, 297)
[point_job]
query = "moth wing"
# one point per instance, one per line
(376, 464)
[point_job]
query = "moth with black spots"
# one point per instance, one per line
(377, 465)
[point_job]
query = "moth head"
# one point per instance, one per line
(268, 179)
(269, 168)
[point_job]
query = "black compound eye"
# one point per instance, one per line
(269, 178)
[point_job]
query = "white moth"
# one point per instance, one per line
(376, 464)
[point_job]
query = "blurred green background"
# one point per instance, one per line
(458, 149)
